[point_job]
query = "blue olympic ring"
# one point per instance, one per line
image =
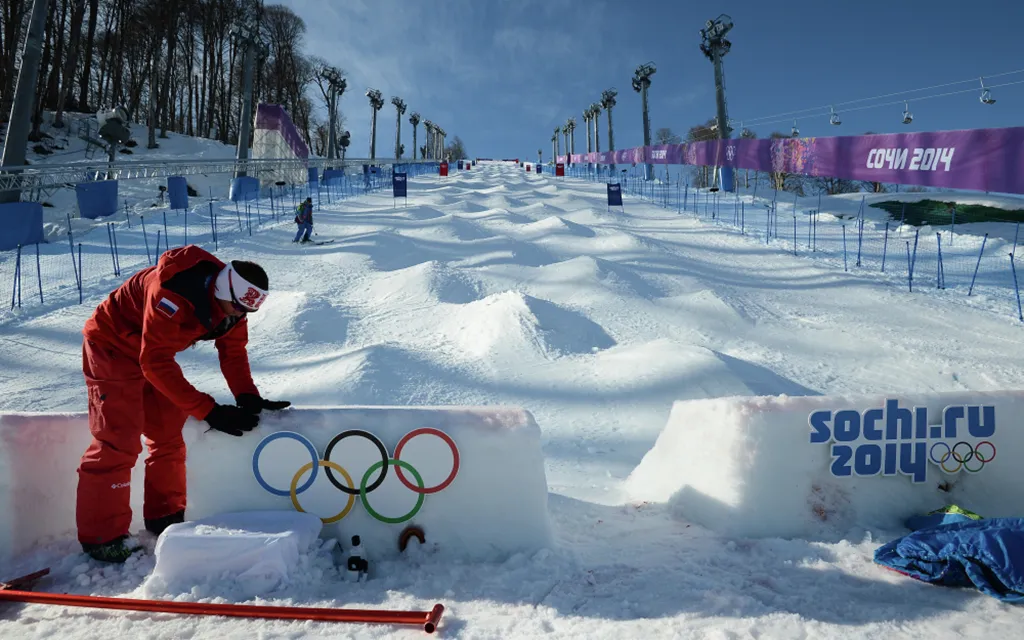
(295, 436)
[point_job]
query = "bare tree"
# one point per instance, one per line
(664, 135)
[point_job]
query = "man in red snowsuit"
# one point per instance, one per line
(136, 387)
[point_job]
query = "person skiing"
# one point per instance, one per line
(136, 388)
(304, 218)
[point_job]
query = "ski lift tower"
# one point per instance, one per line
(400, 110)
(337, 85)
(715, 46)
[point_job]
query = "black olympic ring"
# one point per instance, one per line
(380, 447)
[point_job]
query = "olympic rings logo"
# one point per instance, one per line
(972, 459)
(346, 484)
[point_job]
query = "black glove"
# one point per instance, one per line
(231, 420)
(253, 404)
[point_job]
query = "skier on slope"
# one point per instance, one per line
(304, 218)
(135, 387)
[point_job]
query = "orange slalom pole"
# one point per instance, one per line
(427, 619)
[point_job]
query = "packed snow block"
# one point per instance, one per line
(252, 551)
(822, 466)
(39, 455)
(244, 188)
(21, 223)
(486, 504)
(177, 192)
(96, 199)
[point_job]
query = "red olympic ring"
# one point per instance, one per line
(455, 459)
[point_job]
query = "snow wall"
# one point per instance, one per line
(823, 466)
(495, 504)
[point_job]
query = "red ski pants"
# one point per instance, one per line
(123, 407)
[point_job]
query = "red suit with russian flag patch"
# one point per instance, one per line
(136, 388)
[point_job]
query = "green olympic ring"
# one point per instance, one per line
(419, 494)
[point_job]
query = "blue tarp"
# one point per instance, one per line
(985, 554)
(177, 192)
(20, 223)
(97, 199)
(244, 188)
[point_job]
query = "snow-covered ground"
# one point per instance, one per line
(499, 287)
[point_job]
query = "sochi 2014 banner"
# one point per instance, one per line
(975, 159)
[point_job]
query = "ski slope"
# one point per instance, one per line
(499, 287)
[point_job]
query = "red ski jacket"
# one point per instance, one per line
(161, 311)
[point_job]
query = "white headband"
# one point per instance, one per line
(246, 294)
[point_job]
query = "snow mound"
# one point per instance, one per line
(512, 323)
(587, 272)
(254, 551)
(291, 316)
(710, 310)
(423, 213)
(555, 225)
(464, 229)
(430, 281)
(775, 466)
(500, 215)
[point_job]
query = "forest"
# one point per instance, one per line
(175, 65)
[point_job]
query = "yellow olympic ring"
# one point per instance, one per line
(333, 465)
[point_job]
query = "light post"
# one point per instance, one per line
(595, 113)
(414, 120)
(571, 124)
(642, 82)
(376, 103)
(540, 155)
(558, 146)
(608, 101)
(428, 142)
(587, 117)
(337, 85)
(400, 110)
(715, 46)
(554, 148)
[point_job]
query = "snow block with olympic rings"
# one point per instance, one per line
(819, 467)
(492, 506)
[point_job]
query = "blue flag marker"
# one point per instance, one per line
(614, 195)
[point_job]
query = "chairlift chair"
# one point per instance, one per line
(834, 118)
(986, 95)
(796, 132)
(907, 116)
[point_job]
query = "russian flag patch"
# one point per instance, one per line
(167, 307)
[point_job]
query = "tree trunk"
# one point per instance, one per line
(83, 87)
(172, 45)
(13, 15)
(154, 87)
(37, 116)
(77, 13)
(53, 84)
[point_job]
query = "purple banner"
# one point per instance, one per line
(975, 159)
(273, 117)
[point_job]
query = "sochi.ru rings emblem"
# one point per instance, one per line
(350, 481)
(962, 456)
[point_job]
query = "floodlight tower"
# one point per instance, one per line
(608, 101)
(337, 85)
(558, 146)
(247, 34)
(540, 155)
(595, 114)
(400, 110)
(587, 117)
(642, 82)
(414, 120)
(715, 46)
(571, 124)
(376, 103)
(428, 150)
(565, 136)
(440, 143)
(346, 139)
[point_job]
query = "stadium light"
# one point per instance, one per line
(414, 120)
(587, 116)
(571, 125)
(641, 83)
(714, 46)
(337, 85)
(376, 103)
(608, 101)
(400, 111)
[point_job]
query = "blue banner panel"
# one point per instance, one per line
(177, 192)
(244, 188)
(399, 184)
(97, 199)
(333, 176)
(20, 223)
(312, 177)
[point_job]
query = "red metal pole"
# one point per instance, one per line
(428, 619)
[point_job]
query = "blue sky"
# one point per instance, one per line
(502, 74)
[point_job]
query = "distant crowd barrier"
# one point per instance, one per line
(975, 159)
